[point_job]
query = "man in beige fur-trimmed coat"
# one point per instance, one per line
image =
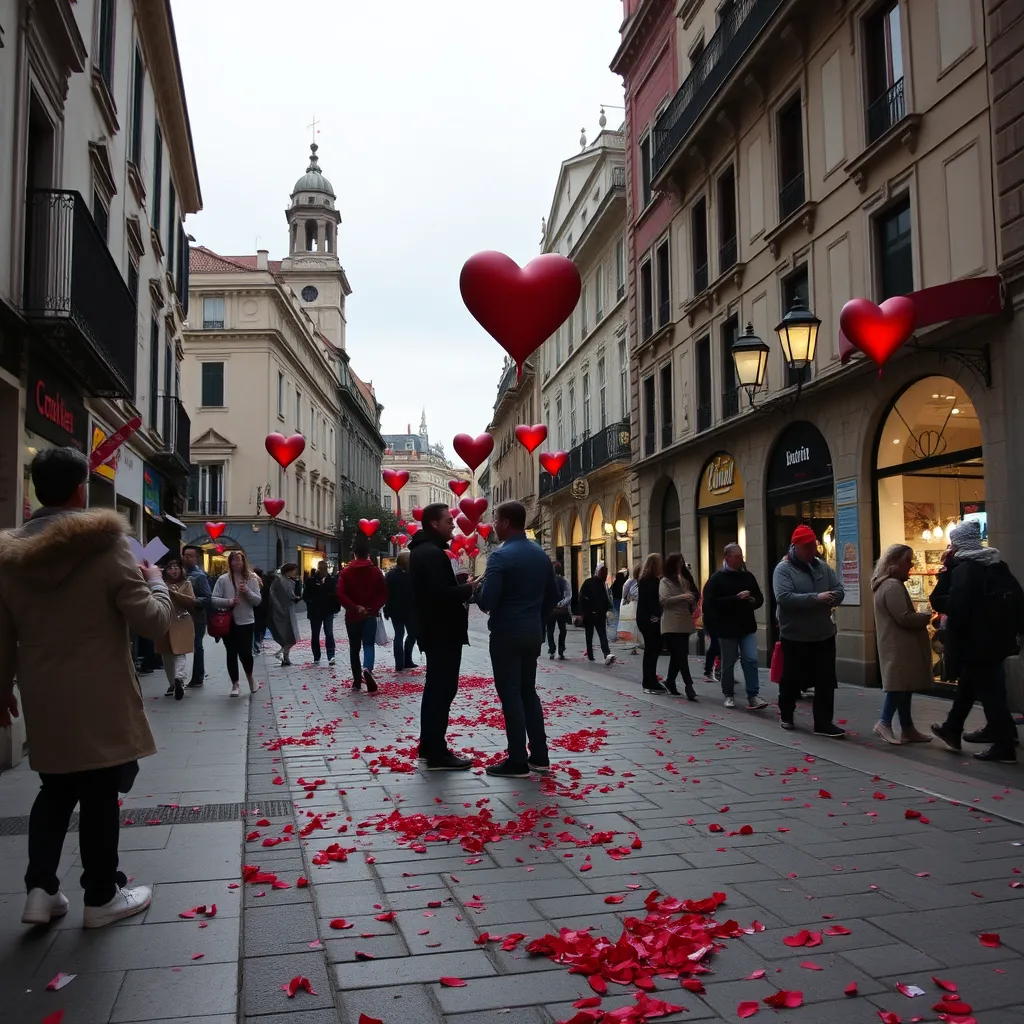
(70, 589)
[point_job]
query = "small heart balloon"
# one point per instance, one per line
(401, 540)
(285, 450)
(417, 514)
(473, 508)
(465, 524)
(473, 551)
(484, 530)
(412, 529)
(220, 549)
(553, 461)
(459, 486)
(394, 538)
(473, 450)
(878, 331)
(531, 438)
(469, 541)
(456, 545)
(274, 506)
(369, 526)
(214, 529)
(454, 512)
(396, 479)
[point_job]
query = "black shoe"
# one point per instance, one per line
(999, 754)
(193, 685)
(787, 724)
(169, 692)
(356, 684)
(508, 770)
(590, 657)
(413, 664)
(952, 742)
(561, 655)
(982, 736)
(551, 655)
(449, 763)
(179, 689)
(656, 688)
(539, 764)
(833, 732)
(673, 690)
(691, 693)
(371, 683)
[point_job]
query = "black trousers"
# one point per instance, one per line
(806, 664)
(678, 659)
(99, 822)
(405, 641)
(441, 683)
(652, 651)
(514, 663)
(714, 651)
(198, 654)
(238, 647)
(561, 622)
(986, 683)
(596, 624)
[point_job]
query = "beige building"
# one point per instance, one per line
(817, 152)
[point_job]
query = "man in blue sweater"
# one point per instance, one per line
(519, 592)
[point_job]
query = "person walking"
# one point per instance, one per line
(618, 584)
(70, 591)
(190, 556)
(731, 596)
(677, 594)
(362, 592)
(807, 590)
(320, 593)
(259, 614)
(984, 608)
(595, 604)
(904, 650)
(648, 621)
(179, 640)
(519, 592)
(442, 617)
(283, 596)
(629, 588)
(400, 609)
(238, 590)
(561, 615)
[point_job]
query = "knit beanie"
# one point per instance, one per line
(966, 536)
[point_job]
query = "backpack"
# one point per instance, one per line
(1002, 610)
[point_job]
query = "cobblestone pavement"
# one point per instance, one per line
(880, 866)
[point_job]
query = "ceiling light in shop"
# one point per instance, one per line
(936, 396)
(895, 440)
(951, 398)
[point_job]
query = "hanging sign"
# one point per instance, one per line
(720, 482)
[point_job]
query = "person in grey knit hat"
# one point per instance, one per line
(984, 606)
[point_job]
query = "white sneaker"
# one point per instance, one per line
(330, 662)
(126, 903)
(610, 660)
(42, 908)
(730, 702)
(234, 689)
(885, 732)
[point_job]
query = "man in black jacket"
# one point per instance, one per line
(319, 592)
(442, 617)
(595, 606)
(400, 609)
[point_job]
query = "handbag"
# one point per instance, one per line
(775, 671)
(381, 639)
(218, 624)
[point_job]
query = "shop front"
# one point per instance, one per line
(309, 557)
(102, 489)
(720, 513)
(128, 487)
(598, 552)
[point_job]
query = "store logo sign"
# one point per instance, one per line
(721, 474)
(802, 454)
(51, 407)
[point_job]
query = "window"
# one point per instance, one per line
(599, 294)
(105, 43)
(664, 285)
(727, 253)
(586, 405)
(298, 410)
(312, 425)
(206, 489)
(99, 215)
(138, 82)
(572, 415)
(646, 301)
(730, 386)
(154, 370)
(387, 502)
(883, 54)
(171, 233)
(558, 347)
(696, 50)
(158, 174)
(584, 314)
(558, 417)
(568, 328)
(213, 314)
(699, 236)
(133, 281)
(280, 393)
(602, 391)
(895, 252)
(213, 385)
(620, 269)
(796, 291)
(410, 445)
(623, 379)
(791, 158)
(702, 356)
(645, 171)
(666, 406)
(649, 416)
(300, 494)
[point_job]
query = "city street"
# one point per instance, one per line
(860, 865)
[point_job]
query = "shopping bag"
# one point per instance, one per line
(775, 671)
(627, 623)
(382, 639)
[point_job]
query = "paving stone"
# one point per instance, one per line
(497, 993)
(272, 930)
(395, 1004)
(262, 978)
(192, 992)
(419, 969)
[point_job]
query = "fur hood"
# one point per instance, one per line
(52, 545)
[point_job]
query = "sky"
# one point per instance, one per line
(441, 126)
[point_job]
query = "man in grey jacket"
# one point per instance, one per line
(807, 589)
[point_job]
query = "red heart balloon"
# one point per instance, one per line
(469, 541)
(531, 438)
(412, 529)
(465, 524)
(459, 486)
(214, 529)
(369, 526)
(394, 538)
(396, 479)
(878, 331)
(484, 530)
(473, 450)
(417, 514)
(220, 549)
(401, 540)
(473, 551)
(520, 307)
(454, 512)
(473, 508)
(274, 506)
(553, 461)
(456, 545)
(285, 450)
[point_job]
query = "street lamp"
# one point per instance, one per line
(750, 356)
(798, 333)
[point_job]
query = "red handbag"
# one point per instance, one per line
(775, 671)
(218, 624)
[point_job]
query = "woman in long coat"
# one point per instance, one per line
(283, 620)
(179, 640)
(904, 652)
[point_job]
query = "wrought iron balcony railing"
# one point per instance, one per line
(792, 196)
(727, 255)
(610, 444)
(886, 111)
(175, 431)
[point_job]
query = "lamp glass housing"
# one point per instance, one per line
(750, 356)
(798, 334)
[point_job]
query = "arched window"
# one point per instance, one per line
(671, 535)
(310, 236)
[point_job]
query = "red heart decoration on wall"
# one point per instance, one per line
(396, 479)
(274, 506)
(878, 331)
(473, 508)
(520, 307)
(369, 526)
(417, 514)
(531, 438)
(473, 450)
(553, 461)
(459, 486)
(484, 530)
(401, 540)
(285, 450)
(214, 529)
(464, 523)
(220, 549)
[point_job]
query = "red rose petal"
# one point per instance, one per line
(694, 985)
(452, 982)
(598, 984)
(851, 989)
(747, 1009)
(800, 939)
(54, 1018)
(948, 986)
(837, 929)
(755, 975)
(808, 966)
(951, 1004)
(888, 1017)
(298, 984)
(614, 899)
(365, 1018)
(340, 924)
(990, 939)
(784, 1000)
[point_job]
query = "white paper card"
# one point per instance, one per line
(152, 552)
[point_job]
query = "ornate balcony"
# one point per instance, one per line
(610, 444)
(174, 457)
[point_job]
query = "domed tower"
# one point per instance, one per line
(312, 267)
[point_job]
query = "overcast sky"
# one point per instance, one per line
(441, 127)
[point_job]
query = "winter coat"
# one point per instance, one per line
(563, 600)
(442, 613)
(70, 590)
(283, 620)
(361, 585)
(617, 585)
(648, 603)
(202, 590)
(594, 600)
(677, 603)
(181, 637)
(225, 590)
(518, 590)
(321, 596)
(796, 584)
(904, 651)
(401, 603)
(725, 615)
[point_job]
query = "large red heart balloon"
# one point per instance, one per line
(285, 450)
(459, 486)
(401, 540)
(473, 508)
(520, 307)
(473, 450)
(214, 529)
(473, 551)
(553, 461)
(369, 526)
(484, 530)
(417, 514)
(396, 479)
(531, 438)
(465, 524)
(878, 331)
(412, 529)
(274, 506)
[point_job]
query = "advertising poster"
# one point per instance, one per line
(848, 539)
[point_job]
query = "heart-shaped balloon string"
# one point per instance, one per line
(401, 540)
(473, 450)
(274, 506)
(484, 529)
(520, 307)
(878, 331)
(553, 461)
(473, 508)
(396, 479)
(215, 529)
(285, 450)
(369, 526)
(417, 514)
(459, 487)
(531, 438)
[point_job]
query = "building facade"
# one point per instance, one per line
(814, 153)
(99, 172)
(513, 470)
(583, 383)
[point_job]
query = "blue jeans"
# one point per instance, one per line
(897, 703)
(405, 641)
(745, 649)
(514, 663)
(315, 622)
(361, 634)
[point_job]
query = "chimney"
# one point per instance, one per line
(261, 258)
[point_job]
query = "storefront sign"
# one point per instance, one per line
(152, 485)
(580, 487)
(53, 409)
(801, 456)
(848, 539)
(128, 482)
(108, 469)
(720, 483)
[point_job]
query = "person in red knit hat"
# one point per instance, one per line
(362, 592)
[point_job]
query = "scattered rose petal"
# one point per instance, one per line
(747, 1009)
(58, 982)
(948, 986)
(365, 1018)
(784, 1000)
(837, 929)
(449, 982)
(298, 984)
(909, 990)
(807, 965)
(990, 939)
(888, 1017)
(851, 989)
(340, 924)
(614, 899)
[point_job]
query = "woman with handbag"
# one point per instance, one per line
(678, 595)
(235, 595)
(648, 621)
(283, 597)
(179, 640)
(362, 592)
